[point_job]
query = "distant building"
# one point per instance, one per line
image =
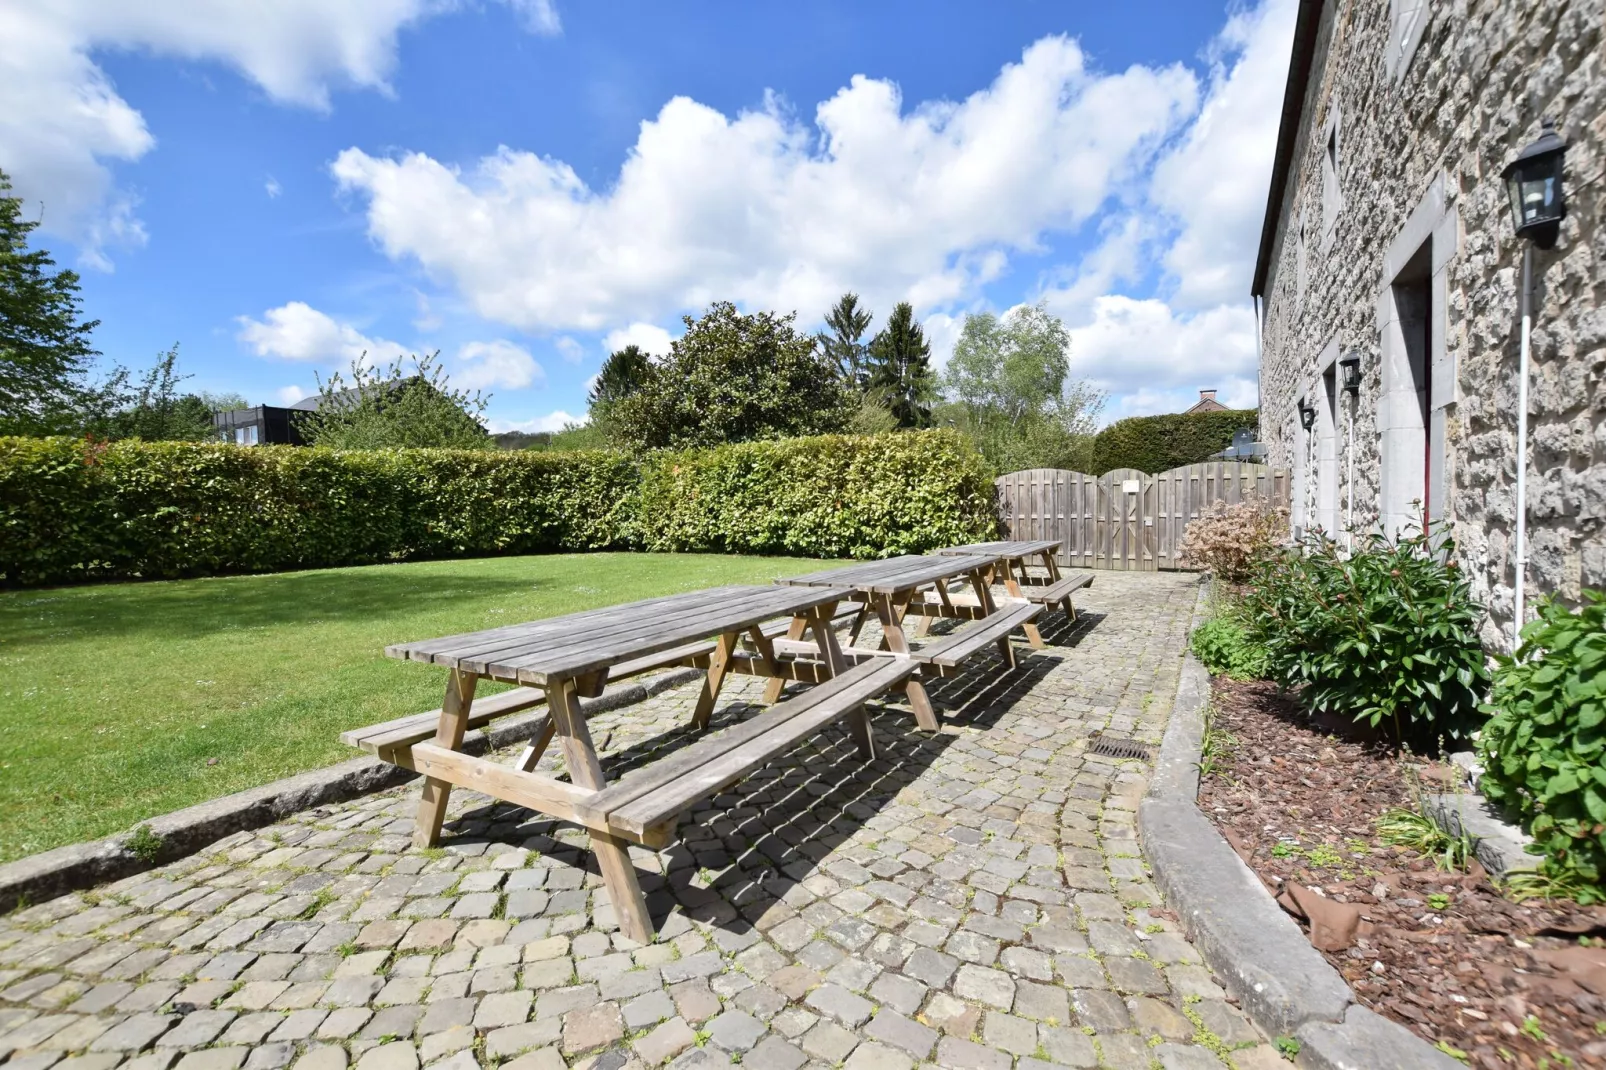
(271, 425)
(1207, 403)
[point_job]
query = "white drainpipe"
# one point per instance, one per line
(1522, 449)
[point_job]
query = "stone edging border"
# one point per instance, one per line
(82, 865)
(1261, 955)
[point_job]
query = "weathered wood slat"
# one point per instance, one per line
(403, 730)
(1061, 590)
(889, 576)
(702, 772)
(950, 651)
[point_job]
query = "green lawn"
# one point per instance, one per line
(115, 699)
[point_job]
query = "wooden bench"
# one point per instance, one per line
(943, 657)
(654, 797)
(1059, 592)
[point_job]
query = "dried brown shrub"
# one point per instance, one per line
(1228, 538)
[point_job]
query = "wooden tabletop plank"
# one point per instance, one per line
(1005, 547)
(578, 643)
(887, 576)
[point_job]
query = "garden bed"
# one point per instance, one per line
(1440, 952)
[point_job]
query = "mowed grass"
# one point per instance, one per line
(121, 702)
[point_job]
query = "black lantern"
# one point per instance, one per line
(1533, 181)
(1352, 373)
(1307, 414)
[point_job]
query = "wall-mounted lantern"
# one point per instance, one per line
(1534, 184)
(1307, 414)
(1351, 367)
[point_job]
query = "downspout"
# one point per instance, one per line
(1521, 561)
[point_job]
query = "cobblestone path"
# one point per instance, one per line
(973, 899)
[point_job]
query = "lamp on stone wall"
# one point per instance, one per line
(1534, 184)
(1351, 366)
(1538, 205)
(1307, 414)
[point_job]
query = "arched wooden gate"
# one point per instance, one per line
(1127, 519)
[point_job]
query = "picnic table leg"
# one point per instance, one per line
(613, 857)
(984, 592)
(449, 734)
(858, 623)
(540, 739)
(895, 641)
(831, 654)
(718, 662)
(1052, 566)
(795, 630)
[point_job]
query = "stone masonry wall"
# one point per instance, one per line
(1471, 96)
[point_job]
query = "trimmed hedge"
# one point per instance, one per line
(72, 511)
(827, 496)
(1155, 444)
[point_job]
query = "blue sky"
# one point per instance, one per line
(523, 185)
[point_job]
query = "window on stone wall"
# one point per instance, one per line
(1332, 194)
(1301, 271)
(1408, 20)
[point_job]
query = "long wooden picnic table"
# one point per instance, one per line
(889, 588)
(571, 656)
(1013, 555)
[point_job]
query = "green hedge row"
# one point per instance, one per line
(72, 511)
(1155, 444)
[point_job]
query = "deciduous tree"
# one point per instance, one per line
(396, 407)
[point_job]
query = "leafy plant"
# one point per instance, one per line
(1228, 647)
(1409, 829)
(1387, 634)
(1229, 539)
(1287, 1047)
(1544, 749)
(392, 407)
(146, 844)
(1218, 745)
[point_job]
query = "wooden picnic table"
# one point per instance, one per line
(890, 588)
(1013, 555)
(571, 656)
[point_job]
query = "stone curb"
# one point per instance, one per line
(1499, 846)
(1262, 957)
(82, 865)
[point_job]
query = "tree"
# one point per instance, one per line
(44, 345)
(1007, 384)
(388, 408)
(900, 368)
(622, 374)
(733, 378)
(848, 322)
(155, 410)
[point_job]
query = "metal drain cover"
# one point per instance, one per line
(1119, 747)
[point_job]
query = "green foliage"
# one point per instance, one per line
(1155, 444)
(1228, 647)
(44, 346)
(621, 375)
(830, 496)
(1385, 634)
(1420, 833)
(733, 378)
(1008, 390)
(155, 410)
(393, 407)
(843, 345)
(900, 368)
(146, 845)
(1544, 748)
(72, 510)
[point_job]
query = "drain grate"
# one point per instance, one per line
(1119, 747)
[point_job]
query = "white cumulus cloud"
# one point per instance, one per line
(923, 203)
(62, 121)
(297, 331)
(289, 395)
(552, 421)
(1143, 349)
(654, 341)
(499, 363)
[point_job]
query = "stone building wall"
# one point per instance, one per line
(1410, 255)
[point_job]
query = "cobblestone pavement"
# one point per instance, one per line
(972, 899)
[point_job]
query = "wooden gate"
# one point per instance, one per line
(1126, 519)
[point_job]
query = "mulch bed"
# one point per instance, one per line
(1442, 953)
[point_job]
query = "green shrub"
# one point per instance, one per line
(1387, 634)
(1544, 748)
(1228, 647)
(72, 510)
(1156, 444)
(828, 496)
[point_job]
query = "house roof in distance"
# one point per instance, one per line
(1207, 403)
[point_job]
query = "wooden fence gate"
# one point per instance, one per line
(1127, 519)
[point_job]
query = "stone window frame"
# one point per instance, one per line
(1331, 168)
(1317, 449)
(1408, 21)
(1435, 224)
